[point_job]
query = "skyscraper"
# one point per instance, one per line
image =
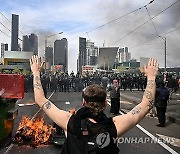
(25, 43)
(6, 47)
(123, 55)
(33, 43)
(30, 43)
(2, 50)
(82, 58)
(49, 57)
(61, 53)
(14, 32)
(92, 53)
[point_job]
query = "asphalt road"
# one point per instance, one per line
(137, 140)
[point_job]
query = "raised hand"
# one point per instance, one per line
(151, 69)
(35, 64)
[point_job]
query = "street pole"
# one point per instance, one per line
(45, 43)
(165, 54)
(45, 52)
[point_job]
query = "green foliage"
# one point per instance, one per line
(1, 69)
(16, 70)
(25, 72)
(121, 68)
(7, 71)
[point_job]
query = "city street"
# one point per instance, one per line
(129, 48)
(140, 137)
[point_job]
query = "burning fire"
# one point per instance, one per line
(33, 132)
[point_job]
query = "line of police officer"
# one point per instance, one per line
(64, 82)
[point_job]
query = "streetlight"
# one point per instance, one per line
(46, 38)
(164, 39)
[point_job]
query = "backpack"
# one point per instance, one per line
(86, 143)
(162, 96)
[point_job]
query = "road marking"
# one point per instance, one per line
(9, 148)
(156, 139)
(67, 103)
(27, 104)
(51, 95)
(172, 140)
(126, 102)
(153, 137)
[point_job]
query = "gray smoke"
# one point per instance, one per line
(165, 22)
(42, 35)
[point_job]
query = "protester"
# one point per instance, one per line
(104, 81)
(85, 129)
(161, 99)
(115, 97)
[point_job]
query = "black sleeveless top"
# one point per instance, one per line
(86, 137)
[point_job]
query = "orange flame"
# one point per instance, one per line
(36, 129)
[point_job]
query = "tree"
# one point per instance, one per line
(16, 70)
(7, 71)
(121, 68)
(1, 70)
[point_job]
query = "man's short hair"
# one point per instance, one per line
(95, 97)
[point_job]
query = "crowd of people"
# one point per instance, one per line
(64, 82)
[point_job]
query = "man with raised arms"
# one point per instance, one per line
(90, 120)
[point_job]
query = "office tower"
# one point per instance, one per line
(126, 49)
(49, 57)
(14, 32)
(123, 55)
(61, 53)
(106, 57)
(6, 47)
(33, 43)
(92, 53)
(77, 62)
(25, 43)
(2, 50)
(30, 43)
(82, 58)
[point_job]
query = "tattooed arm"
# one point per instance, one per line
(60, 117)
(125, 122)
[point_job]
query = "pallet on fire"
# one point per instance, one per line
(33, 132)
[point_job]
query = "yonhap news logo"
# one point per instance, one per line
(103, 140)
(143, 140)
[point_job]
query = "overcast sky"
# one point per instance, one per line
(85, 18)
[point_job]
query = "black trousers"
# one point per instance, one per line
(115, 105)
(161, 114)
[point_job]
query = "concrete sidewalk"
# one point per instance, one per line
(173, 108)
